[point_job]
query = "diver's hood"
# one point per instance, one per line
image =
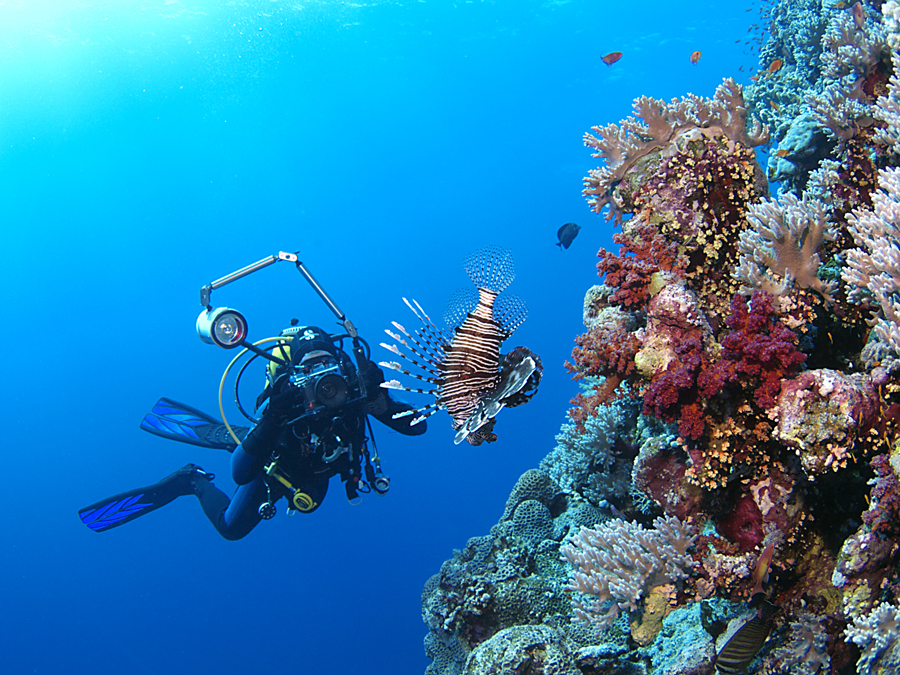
(310, 339)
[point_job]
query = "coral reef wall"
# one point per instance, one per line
(731, 468)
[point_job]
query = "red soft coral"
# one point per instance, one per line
(643, 251)
(672, 392)
(759, 348)
(603, 351)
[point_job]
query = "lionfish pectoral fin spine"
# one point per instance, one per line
(433, 331)
(427, 411)
(422, 352)
(394, 384)
(427, 367)
(393, 365)
(429, 350)
(391, 348)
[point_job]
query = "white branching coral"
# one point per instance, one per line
(887, 109)
(874, 267)
(654, 125)
(805, 652)
(784, 240)
(618, 560)
(849, 54)
(876, 635)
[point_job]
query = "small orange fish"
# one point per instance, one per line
(761, 575)
(775, 106)
(776, 64)
(859, 16)
(695, 56)
(754, 78)
(782, 153)
(611, 58)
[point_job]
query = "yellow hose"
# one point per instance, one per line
(225, 375)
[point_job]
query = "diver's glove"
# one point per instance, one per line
(264, 435)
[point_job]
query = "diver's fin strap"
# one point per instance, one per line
(179, 422)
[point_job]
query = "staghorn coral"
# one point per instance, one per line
(618, 561)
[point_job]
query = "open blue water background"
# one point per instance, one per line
(147, 148)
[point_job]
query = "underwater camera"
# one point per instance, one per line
(320, 377)
(327, 390)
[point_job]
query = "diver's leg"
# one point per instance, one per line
(126, 506)
(234, 518)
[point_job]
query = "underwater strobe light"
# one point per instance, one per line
(221, 326)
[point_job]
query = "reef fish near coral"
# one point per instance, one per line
(567, 234)
(465, 368)
(743, 646)
(695, 56)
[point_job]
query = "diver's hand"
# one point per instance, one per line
(262, 438)
(281, 404)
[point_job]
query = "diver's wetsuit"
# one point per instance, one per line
(298, 447)
(235, 518)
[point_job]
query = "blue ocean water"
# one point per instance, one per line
(149, 148)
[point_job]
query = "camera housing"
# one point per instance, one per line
(322, 381)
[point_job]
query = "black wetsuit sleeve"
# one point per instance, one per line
(262, 438)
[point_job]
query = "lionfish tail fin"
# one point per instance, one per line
(491, 267)
(510, 311)
(462, 303)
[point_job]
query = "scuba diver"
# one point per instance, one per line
(313, 426)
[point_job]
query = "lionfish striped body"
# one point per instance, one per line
(464, 370)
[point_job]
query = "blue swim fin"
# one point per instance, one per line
(126, 506)
(179, 422)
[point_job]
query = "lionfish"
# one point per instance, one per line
(469, 377)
